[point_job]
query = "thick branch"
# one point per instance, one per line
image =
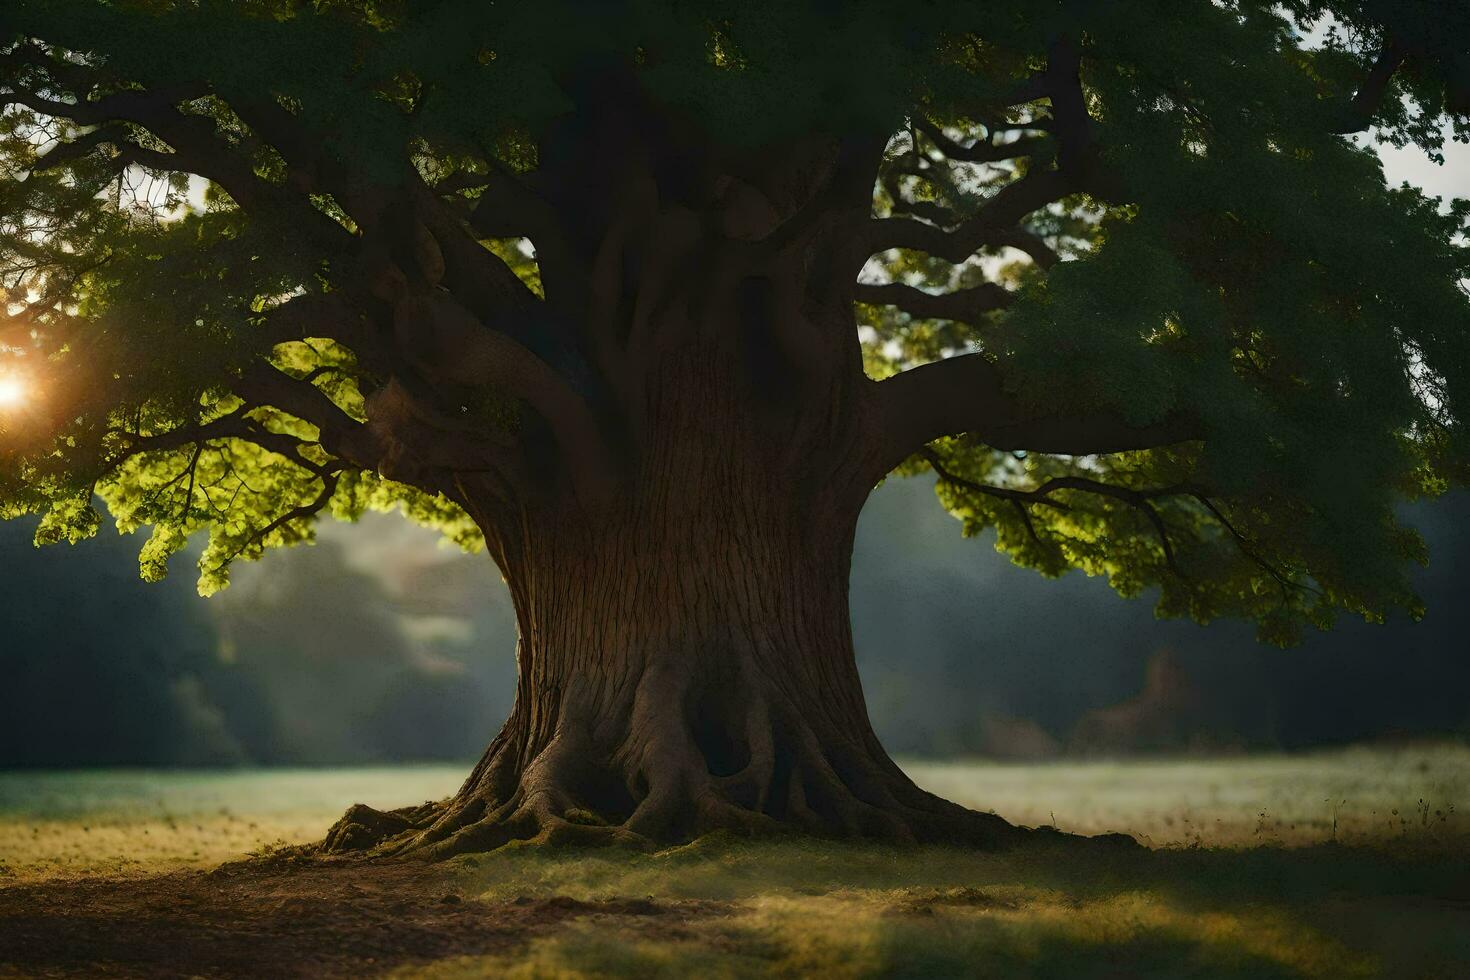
(966, 394)
(1076, 147)
(68, 151)
(312, 168)
(1364, 106)
(319, 315)
(446, 344)
(508, 208)
(476, 275)
(340, 433)
(236, 425)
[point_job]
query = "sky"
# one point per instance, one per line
(1411, 165)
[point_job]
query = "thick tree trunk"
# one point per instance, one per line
(686, 659)
(684, 669)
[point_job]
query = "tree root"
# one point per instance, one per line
(666, 792)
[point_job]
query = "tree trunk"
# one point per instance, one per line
(685, 660)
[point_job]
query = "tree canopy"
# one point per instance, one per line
(1126, 276)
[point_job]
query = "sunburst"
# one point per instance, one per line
(13, 391)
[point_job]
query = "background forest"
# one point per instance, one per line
(380, 645)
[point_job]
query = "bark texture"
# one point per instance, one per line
(686, 659)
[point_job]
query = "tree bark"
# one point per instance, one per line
(685, 659)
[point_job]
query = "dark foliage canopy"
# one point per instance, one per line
(1127, 276)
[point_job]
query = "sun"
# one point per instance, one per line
(12, 392)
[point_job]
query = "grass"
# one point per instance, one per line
(1344, 864)
(120, 821)
(796, 908)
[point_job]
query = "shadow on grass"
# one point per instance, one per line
(724, 907)
(835, 909)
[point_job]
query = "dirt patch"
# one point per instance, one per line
(927, 902)
(251, 921)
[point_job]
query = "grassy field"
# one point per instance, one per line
(1347, 863)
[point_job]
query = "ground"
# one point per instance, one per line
(1348, 863)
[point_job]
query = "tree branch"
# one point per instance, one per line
(507, 208)
(471, 271)
(197, 150)
(301, 513)
(981, 151)
(236, 425)
(967, 305)
(339, 433)
(1358, 114)
(991, 226)
(966, 394)
(1140, 500)
(445, 343)
(319, 315)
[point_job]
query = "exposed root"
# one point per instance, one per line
(674, 798)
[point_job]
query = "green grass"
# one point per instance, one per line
(84, 822)
(134, 821)
(1322, 865)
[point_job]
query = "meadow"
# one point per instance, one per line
(1353, 862)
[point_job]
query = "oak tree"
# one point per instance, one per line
(644, 298)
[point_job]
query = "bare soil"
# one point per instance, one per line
(255, 920)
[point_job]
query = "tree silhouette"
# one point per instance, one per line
(644, 298)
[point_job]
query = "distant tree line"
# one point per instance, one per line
(105, 670)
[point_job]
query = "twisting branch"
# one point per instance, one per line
(1140, 500)
(340, 434)
(936, 463)
(69, 151)
(196, 147)
(997, 221)
(312, 168)
(231, 425)
(474, 273)
(936, 219)
(992, 225)
(235, 425)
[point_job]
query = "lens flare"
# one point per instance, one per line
(12, 392)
